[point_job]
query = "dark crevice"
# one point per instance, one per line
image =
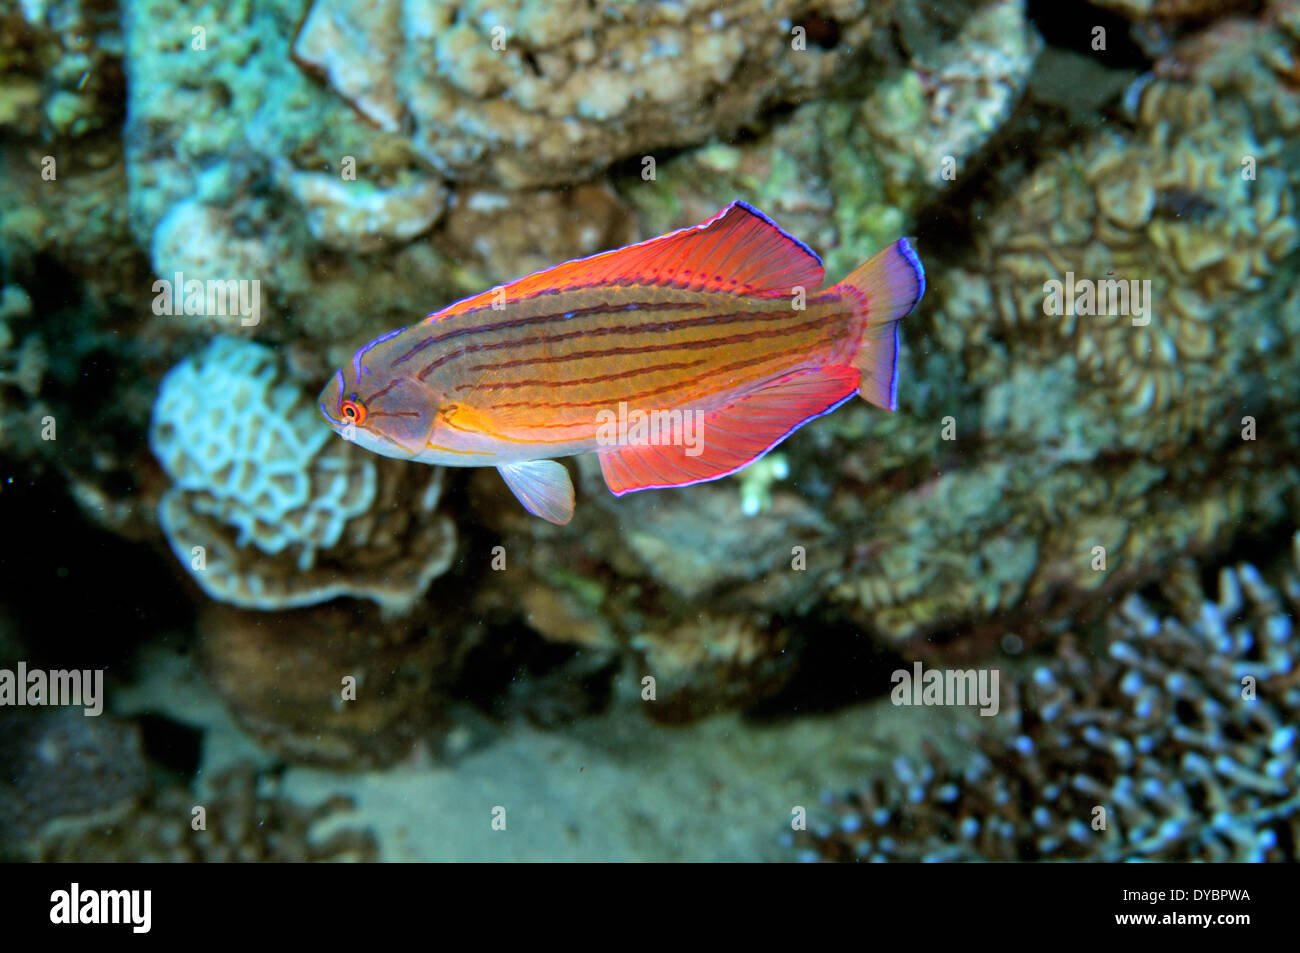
(838, 666)
(1071, 25)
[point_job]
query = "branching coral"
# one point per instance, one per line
(1176, 741)
(268, 510)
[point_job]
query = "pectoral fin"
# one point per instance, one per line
(543, 487)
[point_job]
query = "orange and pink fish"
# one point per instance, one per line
(677, 360)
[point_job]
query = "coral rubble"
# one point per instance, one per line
(245, 819)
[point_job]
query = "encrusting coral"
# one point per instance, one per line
(350, 216)
(525, 94)
(1176, 740)
(268, 510)
(1172, 207)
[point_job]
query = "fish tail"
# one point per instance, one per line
(888, 286)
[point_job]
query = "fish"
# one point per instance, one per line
(677, 360)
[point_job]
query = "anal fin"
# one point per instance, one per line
(731, 438)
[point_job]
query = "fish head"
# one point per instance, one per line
(392, 417)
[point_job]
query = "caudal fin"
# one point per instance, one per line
(889, 286)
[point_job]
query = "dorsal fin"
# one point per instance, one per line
(740, 249)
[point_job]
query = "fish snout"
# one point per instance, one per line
(330, 401)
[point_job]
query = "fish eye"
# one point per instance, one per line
(353, 411)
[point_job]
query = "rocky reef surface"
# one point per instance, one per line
(364, 163)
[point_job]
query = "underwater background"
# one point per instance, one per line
(1100, 505)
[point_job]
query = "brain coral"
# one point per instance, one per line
(267, 509)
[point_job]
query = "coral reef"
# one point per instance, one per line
(710, 662)
(1132, 428)
(60, 67)
(246, 820)
(62, 97)
(658, 606)
(365, 163)
(1175, 740)
(286, 178)
(61, 764)
(267, 510)
(1171, 207)
(848, 175)
(284, 678)
(524, 94)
